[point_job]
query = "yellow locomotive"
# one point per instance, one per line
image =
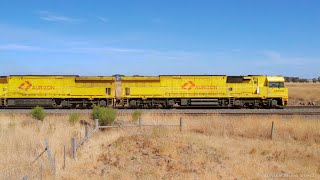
(164, 91)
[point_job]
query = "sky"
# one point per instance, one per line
(155, 37)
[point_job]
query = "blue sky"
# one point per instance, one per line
(151, 37)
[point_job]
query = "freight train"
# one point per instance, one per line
(164, 91)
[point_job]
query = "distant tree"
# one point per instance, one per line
(302, 80)
(290, 79)
(314, 80)
(295, 79)
(287, 79)
(319, 79)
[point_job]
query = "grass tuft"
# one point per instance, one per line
(74, 118)
(38, 113)
(136, 115)
(106, 116)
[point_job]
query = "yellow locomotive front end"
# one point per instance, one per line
(277, 90)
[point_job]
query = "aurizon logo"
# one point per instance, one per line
(25, 86)
(188, 85)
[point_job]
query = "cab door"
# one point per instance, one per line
(256, 84)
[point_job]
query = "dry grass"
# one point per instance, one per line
(214, 147)
(304, 93)
(22, 139)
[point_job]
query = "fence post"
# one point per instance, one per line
(86, 131)
(64, 156)
(73, 148)
(49, 155)
(181, 123)
(96, 123)
(140, 122)
(273, 131)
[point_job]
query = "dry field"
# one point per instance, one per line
(214, 147)
(300, 93)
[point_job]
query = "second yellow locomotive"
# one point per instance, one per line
(164, 91)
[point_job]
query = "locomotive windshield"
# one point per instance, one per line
(276, 84)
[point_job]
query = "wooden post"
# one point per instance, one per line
(64, 157)
(273, 131)
(96, 123)
(86, 131)
(49, 155)
(181, 124)
(73, 148)
(140, 122)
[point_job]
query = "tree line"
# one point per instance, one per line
(302, 80)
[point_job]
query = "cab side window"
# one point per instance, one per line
(276, 84)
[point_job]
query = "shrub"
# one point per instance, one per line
(74, 118)
(136, 115)
(106, 116)
(38, 113)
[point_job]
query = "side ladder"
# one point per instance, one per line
(231, 101)
(3, 102)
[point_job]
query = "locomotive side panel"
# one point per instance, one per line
(59, 87)
(59, 91)
(39, 86)
(194, 86)
(141, 87)
(240, 91)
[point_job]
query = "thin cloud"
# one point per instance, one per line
(107, 49)
(101, 50)
(103, 19)
(271, 57)
(48, 16)
(274, 55)
(18, 47)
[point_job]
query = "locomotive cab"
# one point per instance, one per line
(277, 90)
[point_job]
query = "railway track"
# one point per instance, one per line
(302, 107)
(290, 111)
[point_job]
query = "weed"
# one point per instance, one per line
(38, 113)
(106, 116)
(74, 118)
(136, 115)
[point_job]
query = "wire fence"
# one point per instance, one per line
(40, 171)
